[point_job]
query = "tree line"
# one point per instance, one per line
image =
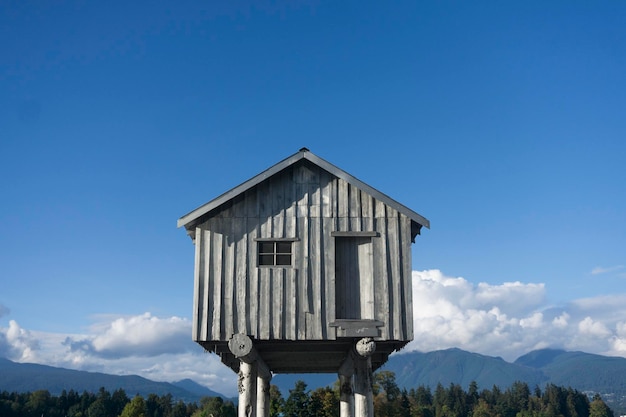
(389, 401)
(453, 401)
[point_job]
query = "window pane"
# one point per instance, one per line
(266, 247)
(283, 247)
(283, 259)
(266, 259)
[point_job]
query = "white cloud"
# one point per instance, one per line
(561, 321)
(602, 270)
(606, 308)
(157, 348)
(143, 335)
(589, 327)
(17, 343)
(511, 319)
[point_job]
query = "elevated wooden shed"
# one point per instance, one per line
(302, 260)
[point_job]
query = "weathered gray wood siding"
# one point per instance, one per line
(304, 202)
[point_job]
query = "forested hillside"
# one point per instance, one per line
(389, 401)
(30, 377)
(585, 372)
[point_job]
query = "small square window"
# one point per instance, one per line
(274, 253)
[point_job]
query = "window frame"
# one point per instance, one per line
(275, 254)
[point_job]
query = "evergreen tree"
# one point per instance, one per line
(472, 395)
(482, 409)
(324, 402)
(135, 408)
(119, 399)
(387, 394)
(405, 404)
(179, 410)
(165, 405)
(152, 406)
(297, 404)
(216, 407)
(598, 408)
(38, 402)
(422, 396)
(276, 401)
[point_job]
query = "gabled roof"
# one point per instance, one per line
(191, 219)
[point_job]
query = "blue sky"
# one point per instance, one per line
(503, 123)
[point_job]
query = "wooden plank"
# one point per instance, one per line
(307, 173)
(198, 287)
(381, 284)
(253, 278)
(303, 277)
(355, 234)
(277, 301)
(228, 266)
(225, 210)
(407, 275)
(300, 174)
(302, 197)
(314, 173)
(367, 211)
(316, 296)
(291, 286)
(326, 194)
(277, 190)
(334, 195)
(239, 206)
(342, 205)
(291, 300)
(265, 309)
(308, 320)
(315, 197)
(207, 277)
(354, 224)
(395, 285)
(252, 202)
(264, 201)
(242, 302)
(329, 277)
(354, 208)
(217, 294)
(290, 207)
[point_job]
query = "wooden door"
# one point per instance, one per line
(354, 289)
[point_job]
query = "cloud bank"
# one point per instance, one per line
(157, 348)
(506, 320)
(511, 319)
(138, 336)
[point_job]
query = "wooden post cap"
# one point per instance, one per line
(240, 345)
(365, 347)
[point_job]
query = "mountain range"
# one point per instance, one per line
(29, 377)
(579, 370)
(582, 371)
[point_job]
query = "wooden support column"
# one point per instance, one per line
(363, 395)
(346, 390)
(263, 396)
(247, 389)
(254, 377)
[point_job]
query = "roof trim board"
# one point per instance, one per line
(190, 219)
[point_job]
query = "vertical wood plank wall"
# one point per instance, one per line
(233, 295)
